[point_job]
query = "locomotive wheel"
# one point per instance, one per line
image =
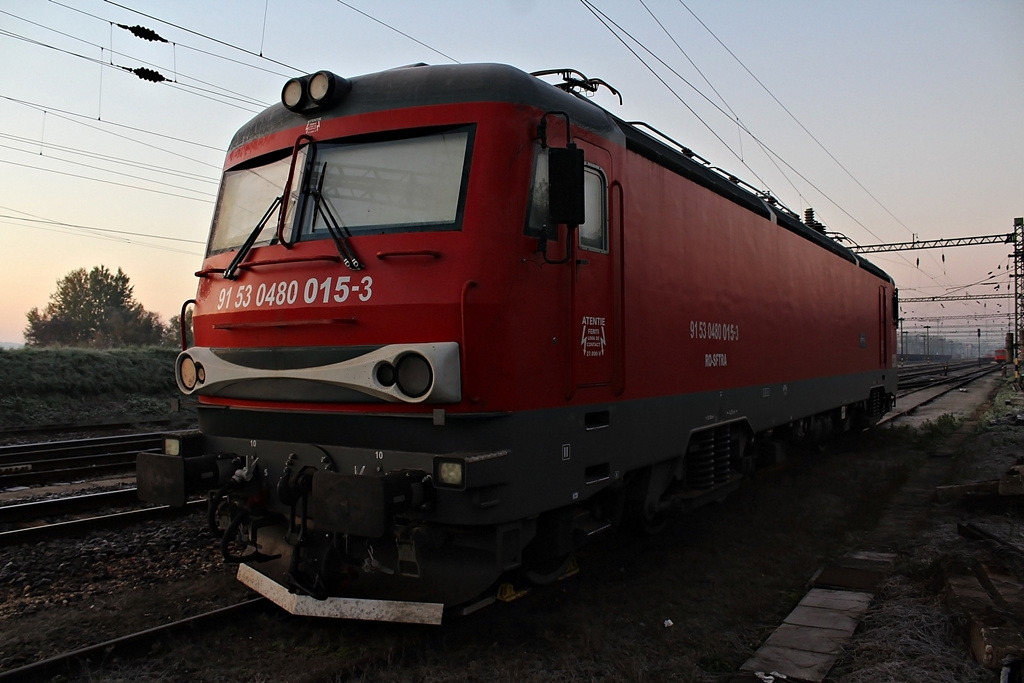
(650, 523)
(549, 571)
(653, 525)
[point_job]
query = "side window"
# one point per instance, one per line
(537, 214)
(594, 231)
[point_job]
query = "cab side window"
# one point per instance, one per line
(594, 231)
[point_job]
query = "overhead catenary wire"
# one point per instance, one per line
(608, 23)
(32, 218)
(214, 96)
(104, 170)
(125, 237)
(261, 57)
(50, 111)
(204, 36)
(793, 116)
(802, 127)
(108, 182)
(184, 45)
(735, 116)
(401, 33)
(43, 145)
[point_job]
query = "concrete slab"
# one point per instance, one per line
(966, 594)
(808, 638)
(799, 664)
(850, 578)
(867, 558)
(1009, 593)
(822, 618)
(851, 603)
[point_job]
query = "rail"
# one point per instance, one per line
(64, 662)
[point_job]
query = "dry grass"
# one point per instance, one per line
(909, 636)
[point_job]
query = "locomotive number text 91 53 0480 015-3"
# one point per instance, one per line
(286, 292)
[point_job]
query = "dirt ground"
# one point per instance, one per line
(690, 604)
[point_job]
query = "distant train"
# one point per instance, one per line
(455, 321)
(1000, 355)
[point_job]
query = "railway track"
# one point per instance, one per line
(116, 520)
(952, 383)
(64, 663)
(917, 376)
(41, 463)
(77, 427)
(21, 512)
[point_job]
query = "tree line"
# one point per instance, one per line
(96, 309)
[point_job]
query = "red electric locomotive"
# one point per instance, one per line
(454, 321)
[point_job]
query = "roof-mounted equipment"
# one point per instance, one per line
(574, 82)
(314, 91)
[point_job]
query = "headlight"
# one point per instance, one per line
(183, 444)
(188, 373)
(413, 375)
(321, 86)
(450, 473)
(386, 374)
(293, 94)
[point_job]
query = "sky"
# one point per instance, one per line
(893, 119)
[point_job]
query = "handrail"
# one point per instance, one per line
(298, 259)
(467, 285)
(181, 323)
(381, 255)
(288, 188)
(283, 323)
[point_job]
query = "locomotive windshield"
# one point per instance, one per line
(245, 197)
(397, 185)
(401, 185)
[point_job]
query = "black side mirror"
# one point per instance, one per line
(565, 186)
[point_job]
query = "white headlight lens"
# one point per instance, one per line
(291, 95)
(172, 445)
(450, 473)
(319, 86)
(187, 373)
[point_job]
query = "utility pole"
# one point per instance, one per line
(1018, 304)
(903, 344)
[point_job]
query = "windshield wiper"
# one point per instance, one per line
(243, 251)
(339, 233)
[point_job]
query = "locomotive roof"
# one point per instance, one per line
(422, 85)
